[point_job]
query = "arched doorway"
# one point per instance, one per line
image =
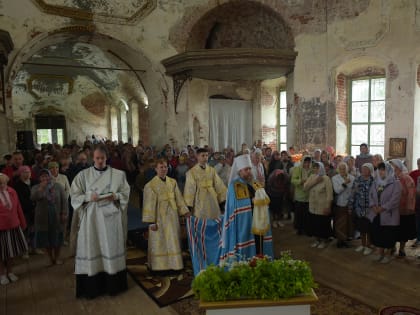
(81, 74)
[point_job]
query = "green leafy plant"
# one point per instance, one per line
(259, 278)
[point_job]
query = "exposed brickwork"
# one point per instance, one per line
(308, 16)
(269, 137)
(234, 25)
(342, 87)
(369, 71)
(268, 133)
(418, 75)
(392, 71)
(341, 106)
(267, 99)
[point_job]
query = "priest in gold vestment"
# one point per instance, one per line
(162, 206)
(204, 192)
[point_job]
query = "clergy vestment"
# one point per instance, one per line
(204, 237)
(162, 205)
(204, 191)
(238, 240)
(101, 228)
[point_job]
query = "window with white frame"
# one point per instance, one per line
(282, 122)
(367, 115)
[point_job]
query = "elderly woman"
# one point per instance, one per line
(12, 222)
(342, 184)
(407, 229)
(61, 179)
(258, 171)
(300, 175)
(50, 215)
(359, 205)
(320, 198)
(351, 162)
(384, 202)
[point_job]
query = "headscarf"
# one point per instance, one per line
(50, 191)
(370, 167)
(367, 154)
(389, 175)
(398, 163)
(321, 171)
(239, 163)
(52, 164)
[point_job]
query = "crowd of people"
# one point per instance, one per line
(327, 196)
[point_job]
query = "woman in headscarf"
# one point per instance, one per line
(278, 189)
(384, 202)
(320, 199)
(342, 184)
(359, 204)
(407, 229)
(50, 215)
(300, 175)
(12, 222)
(258, 171)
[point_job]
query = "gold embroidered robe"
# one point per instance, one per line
(162, 205)
(204, 190)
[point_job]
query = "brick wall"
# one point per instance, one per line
(342, 101)
(418, 75)
(342, 87)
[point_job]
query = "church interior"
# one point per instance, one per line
(307, 74)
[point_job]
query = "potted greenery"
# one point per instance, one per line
(271, 282)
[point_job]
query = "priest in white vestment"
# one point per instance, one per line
(99, 196)
(162, 206)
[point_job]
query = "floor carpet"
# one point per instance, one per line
(164, 289)
(399, 310)
(175, 290)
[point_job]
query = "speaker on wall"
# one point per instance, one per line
(25, 140)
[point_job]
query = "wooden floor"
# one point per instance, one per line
(355, 275)
(50, 290)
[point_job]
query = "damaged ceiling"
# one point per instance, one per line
(73, 71)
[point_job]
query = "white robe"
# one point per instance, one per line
(102, 225)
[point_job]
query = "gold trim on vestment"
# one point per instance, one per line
(241, 191)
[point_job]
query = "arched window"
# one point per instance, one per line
(124, 125)
(114, 124)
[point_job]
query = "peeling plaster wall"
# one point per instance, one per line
(416, 129)
(77, 108)
(385, 34)
(385, 31)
